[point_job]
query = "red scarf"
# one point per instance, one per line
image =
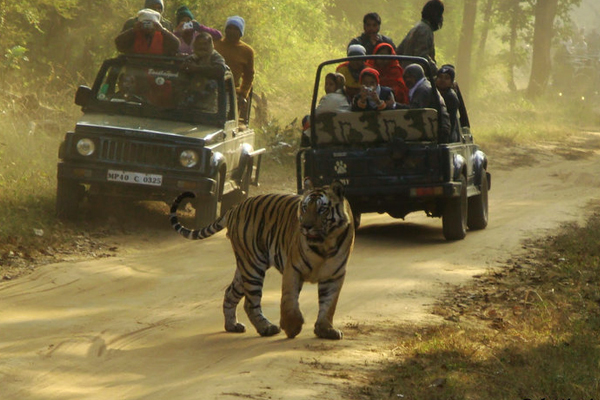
(391, 75)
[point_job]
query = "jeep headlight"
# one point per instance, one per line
(86, 147)
(188, 158)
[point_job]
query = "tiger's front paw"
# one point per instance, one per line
(237, 327)
(328, 332)
(291, 322)
(270, 330)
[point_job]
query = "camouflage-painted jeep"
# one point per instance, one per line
(394, 161)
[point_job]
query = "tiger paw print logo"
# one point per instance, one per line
(340, 167)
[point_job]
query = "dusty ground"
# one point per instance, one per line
(146, 322)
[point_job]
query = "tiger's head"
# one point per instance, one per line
(324, 213)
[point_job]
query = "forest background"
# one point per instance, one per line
(52, 46)
(503, 51)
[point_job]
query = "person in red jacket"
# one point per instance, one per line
(147, 36)
(390, 72)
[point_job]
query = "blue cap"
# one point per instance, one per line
(236, 21)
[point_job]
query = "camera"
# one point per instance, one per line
(147, 24)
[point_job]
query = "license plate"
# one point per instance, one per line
(137, 178)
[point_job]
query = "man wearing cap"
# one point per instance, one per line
(156, 5)
(371, 37)
(419, 40)
(239, 56)
(445, 82)
(352, 69)
(147, 36)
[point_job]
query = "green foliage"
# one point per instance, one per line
(14, 57)
(67, 39)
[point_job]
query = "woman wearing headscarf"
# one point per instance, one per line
(335, 98)
(390, 72)
(187, 28)
(372, 95)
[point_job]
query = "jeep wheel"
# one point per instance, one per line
(356, 217)
(68, 196)
(478, 206)
(236, 196)
(208, 206)
(454, 218)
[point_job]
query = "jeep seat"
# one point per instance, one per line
(370, 127)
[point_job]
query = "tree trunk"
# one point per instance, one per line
(465, 45)
(487, 17)
(545, 12)
(512, 58)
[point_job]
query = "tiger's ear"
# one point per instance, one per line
(307, 184)
(338, 188)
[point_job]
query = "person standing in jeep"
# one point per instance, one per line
(239, 56)
(371, 37)
(156, 5)
(147, 36)
(419, 40)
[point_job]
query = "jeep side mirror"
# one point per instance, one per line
(83, 95)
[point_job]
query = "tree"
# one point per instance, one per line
(545, 12)
(465, 44)
(485, 29)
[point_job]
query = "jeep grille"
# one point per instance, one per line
(120, 151)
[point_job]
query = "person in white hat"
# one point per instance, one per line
(147, 36)
(156, 5)
(352, 69)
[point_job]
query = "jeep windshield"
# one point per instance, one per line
(155, 87)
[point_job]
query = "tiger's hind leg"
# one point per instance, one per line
(253, 279)
(233, 295)
(251, 288)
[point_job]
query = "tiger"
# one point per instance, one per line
(307, 237)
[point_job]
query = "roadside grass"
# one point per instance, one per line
(528, 331)
(509, 119)
(27, 183)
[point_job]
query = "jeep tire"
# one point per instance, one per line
(454, 218)
(68, 196)
(208, 206)
(478, 206)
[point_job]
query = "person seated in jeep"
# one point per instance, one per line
(351, 69)
(420, 96)
(372, 95)
(128, 89)
(444, 82)
(390, 72)
(147, 36)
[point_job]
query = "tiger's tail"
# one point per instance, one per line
(193, 234)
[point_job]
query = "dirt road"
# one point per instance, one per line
(148, 324)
